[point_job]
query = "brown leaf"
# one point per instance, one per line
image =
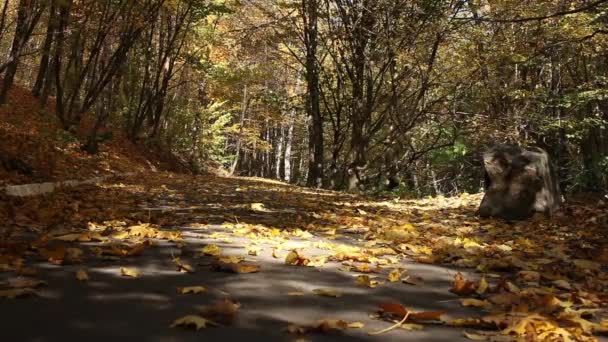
(461, 286)
(223, 311)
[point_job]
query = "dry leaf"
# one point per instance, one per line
(183, 266)
(129, 272)
(296, 258)
(482, 286)
(395, 275)
(195, 321)
(82, 275)
(211, 250)
(223, 311)
(474, 302)
(191, 289)
(461, 286)
(366, 281)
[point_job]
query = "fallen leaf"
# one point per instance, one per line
(356, 325)
(474, 302)
(82, 275)
(195, 321)
(191, 289)
(211, 250)
(244, 268)
(395, 275)
(54, 256)
(461, 286)
(411, 280)
(129, 272)
(482, 286)
(329, 325)
(253, 250)
(223, 311)
(366, 281)
(183, 266)
(296, 258)
(427, 315)
(394, 308)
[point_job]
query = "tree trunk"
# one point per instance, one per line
(239, 138)
(28, 15)
(43, 68)
(313, 110)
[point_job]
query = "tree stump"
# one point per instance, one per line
(518, 183)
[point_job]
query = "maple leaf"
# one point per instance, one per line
(195, 321)
(461, 286)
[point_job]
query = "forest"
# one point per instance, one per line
(349, 95)
(450, 155)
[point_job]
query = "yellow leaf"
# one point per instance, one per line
(317, 262)
(296, 293)
(275, 253)
(183, 266)
(253, 250)
(365, 280)
(291, 258)
(356, 325)
(211, 250)
(191, 289)
(327, 292)
(482, 287)
(474, 302)
(129, 272)
(231, 259)
(195, 321)
(258, 207)
(395, 275)
(82, 275)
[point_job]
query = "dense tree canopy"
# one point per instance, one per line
(362, 95)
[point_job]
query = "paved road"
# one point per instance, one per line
(114, 308)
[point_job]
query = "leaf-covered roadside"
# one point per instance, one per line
(537, 280)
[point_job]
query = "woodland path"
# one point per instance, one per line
(258, 221)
